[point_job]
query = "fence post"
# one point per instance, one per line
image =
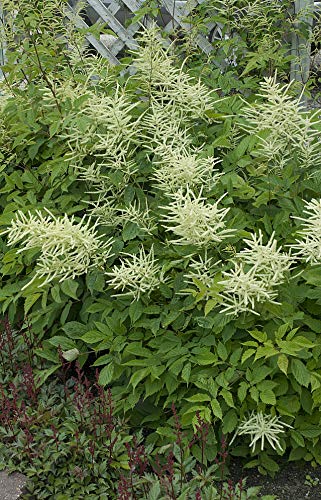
(301, 47)
(2, 48)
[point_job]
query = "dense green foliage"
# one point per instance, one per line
(129, 201)
(65, 438)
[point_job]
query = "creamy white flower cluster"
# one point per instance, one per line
(159, 76)
(288, 128)
(262, 427)
(194, 220)
(67, 248)
(257, 271)
(139, 274)
(108, 213)
(308, 247)
(177, 163)
(203, 270)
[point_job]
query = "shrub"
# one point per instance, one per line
(200, 290)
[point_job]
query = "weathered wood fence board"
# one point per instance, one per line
(301, 48)
(175, 15)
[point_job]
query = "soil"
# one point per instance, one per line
(290, 483)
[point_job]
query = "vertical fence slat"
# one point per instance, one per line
(301, 48)
(2, 46)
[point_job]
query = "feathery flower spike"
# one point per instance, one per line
(262, 427)
(309, 246)
(138, 273)
(195, 221)
(67, 248)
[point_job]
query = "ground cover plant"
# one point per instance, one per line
(167, 235)
(65, 438)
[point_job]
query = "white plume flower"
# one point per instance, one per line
(67, 248)
(104, 126)
(163, 81)
(195, 221)
(181, 167)
(164, 128)
(258, 269)
(309, 245)
(203, 270)
(139, 274)
(290, 130)
(279, 111)
(142, 217)
(243, 290)
(105, 211)
(262, 427)
(269, 262)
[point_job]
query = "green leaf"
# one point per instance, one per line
(74, 329)
(265, 351)
(49, 354)
(247, 354)
(41, 376)
(311, 432)
(63, 342)
(296, 436)
(130, 231)
(198, 398)
(260, 373)
(106, 374)
(235, 356)
(268, 463)
(259, 336)
(242, 390)
(136, 309)
(300, 372)
(93, 336)
(95, 281)
(216, 408)
(155, 491)
(71, 354)
(229, 422)
(206, 359)
(55, 293)
(227, 395)
(69, 287)
(283, 363)
(209, 306)
(137, 349)
(186, 372)
(138, 376)
(221, 351)
(102, 360)
(297, 454)
(268, 397)
(30, 301)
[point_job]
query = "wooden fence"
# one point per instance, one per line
(174, 14)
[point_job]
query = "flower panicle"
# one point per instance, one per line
(67, 248)
(195, 221)
(308, 245)
(139, 274)
(262, 427)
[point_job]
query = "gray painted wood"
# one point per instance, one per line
(97, 44)
(2, 47)
(114, 13)
(301, 48)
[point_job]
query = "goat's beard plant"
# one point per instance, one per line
(184, 242)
